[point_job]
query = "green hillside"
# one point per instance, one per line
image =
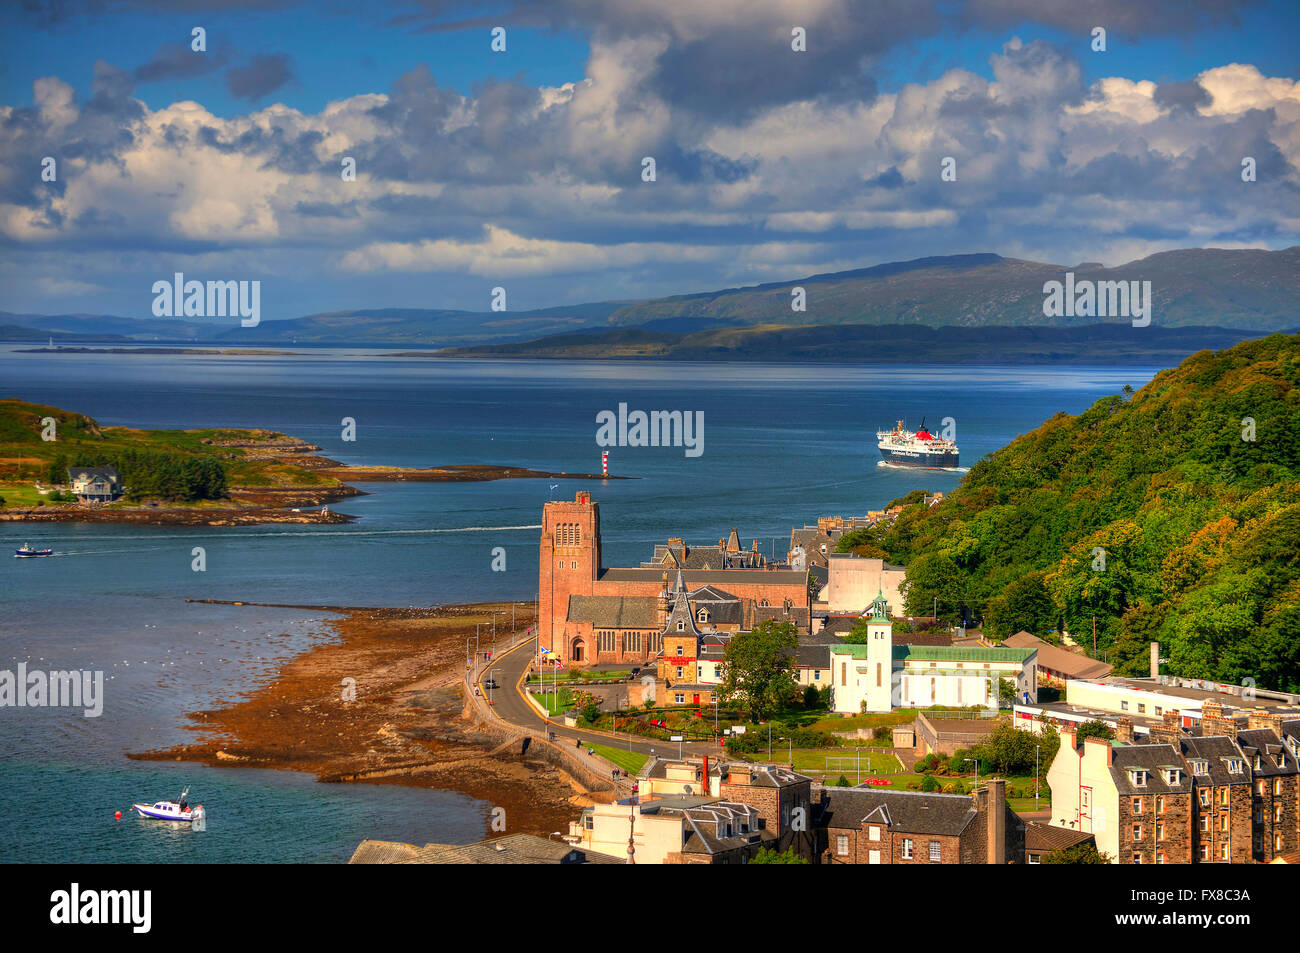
(1153, 512)
(1228, 288)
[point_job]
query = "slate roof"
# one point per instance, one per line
(813, 655)
(616, 612)
(723, 607)
(1069, 664)
(1262, 742)
(713, 645)
(766, 776)
(705, 828)
(724, 577)
(1216, 750)
(908, 812)
(796, 614)
(1151, 758)
(680, 612)
(108, 473)
(1042, 838)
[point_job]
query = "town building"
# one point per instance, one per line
(878, 676)
(1056, 665)
(676, 829)
(866, 825)
(1136, 800)
(1042, 839)
(589, 614)
(853, 582)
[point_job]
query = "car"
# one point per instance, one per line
(636, 671)
(490, 683)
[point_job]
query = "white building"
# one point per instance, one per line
(851, 578)
(878, 676)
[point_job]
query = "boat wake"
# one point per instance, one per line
(307, 533)
(890, 465)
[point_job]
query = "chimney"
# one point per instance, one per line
(1155, 660)
(1069, 737)
(1214, 722)
(1124, 729)
(1104, 743)
(1169, 731)
(997, 822)
(1262, 718)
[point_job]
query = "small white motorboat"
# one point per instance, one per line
(26, 552)
(177, 810)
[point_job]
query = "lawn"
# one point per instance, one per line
(19, 494)
(554, 704)
(836, 761)
(580, 676)
(629, 761)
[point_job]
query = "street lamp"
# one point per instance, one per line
(977, 769)
(1036, 748)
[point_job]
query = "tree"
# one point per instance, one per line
(1085, 853)
(811, 697)
(759, 668)
(767, 855)
(1025, 605)
(1094, 729)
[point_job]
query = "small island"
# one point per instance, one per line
(208, 477)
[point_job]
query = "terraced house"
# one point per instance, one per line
(864, 825)
(1136, 800)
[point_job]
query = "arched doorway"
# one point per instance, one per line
(577, 651)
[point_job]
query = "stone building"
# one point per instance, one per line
(590, 614)
(864, 825)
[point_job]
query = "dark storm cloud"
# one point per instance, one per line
(1117, 17)
(264, 74)
(278, 147)
(1186, 95)
(179, 61)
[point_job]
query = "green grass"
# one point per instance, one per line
(629, 761)
(553, 703)
(837, 761)
(600, 677)
(18, 494)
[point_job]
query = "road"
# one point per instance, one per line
(508, 700)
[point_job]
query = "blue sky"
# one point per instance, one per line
(523, 168)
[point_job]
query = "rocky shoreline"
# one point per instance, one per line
(407, 722)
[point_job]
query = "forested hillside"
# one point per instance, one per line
(1169, 514)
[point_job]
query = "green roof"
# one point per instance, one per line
(939, 653)
(950, 653)
(856, 649)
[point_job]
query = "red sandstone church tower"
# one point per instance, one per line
(568, 565)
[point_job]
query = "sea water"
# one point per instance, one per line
(782, 446)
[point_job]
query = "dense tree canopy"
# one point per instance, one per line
(1170, 515)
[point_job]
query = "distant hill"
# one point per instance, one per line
(1246, 290)
(1171, 515)
(1249, 289)
(871, 344)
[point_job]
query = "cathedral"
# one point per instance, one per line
(589, 614)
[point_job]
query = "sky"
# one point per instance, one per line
(524, 168)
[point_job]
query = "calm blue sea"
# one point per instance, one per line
(782, 446)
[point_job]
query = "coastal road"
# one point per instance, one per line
(509, 702)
